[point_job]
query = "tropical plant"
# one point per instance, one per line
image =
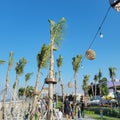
(29, 91)
(19, 71)
(56, 35)
(103, 86)
(76, 65)
(92, 88)
(42, 62)
(10, 63)
(86, 84)
(21, 92)
(95, 79)
(112, 75)
(59, 62)
(99, 78)
(27, 77)
(2, 61)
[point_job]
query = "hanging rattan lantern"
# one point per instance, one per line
(50, 80)
(115, 4)
(36, 92)
(90, 54)
(70, 85)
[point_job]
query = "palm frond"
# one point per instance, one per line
(43, 56)
(76, 62)
(11, 55)
(27, 76)
(20, 66)
(2, 61)
(57, 30)
(59, 61)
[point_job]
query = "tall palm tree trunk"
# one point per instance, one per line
(15, 87)
(95, 90)
(114, 89)
(50, 88)
(62, 86)
(5, 93)
(36, 91)
(75, 87)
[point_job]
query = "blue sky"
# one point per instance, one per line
(24, 28)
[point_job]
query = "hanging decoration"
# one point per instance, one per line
(101, 35)
(115, 4)
(90, 54)
(70, 85)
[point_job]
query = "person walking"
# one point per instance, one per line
(79, 110)
(72, 110)
(67, 108)
(82, 109)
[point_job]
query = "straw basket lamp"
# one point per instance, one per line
(90, 54)
(115, 4)
(36, 92)
(70, 85)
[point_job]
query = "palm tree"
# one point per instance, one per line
(95, 79)
(103, 86)
(76, 65)
(59, 62)
(99, 78)
(10, 63)
(112, 75)
(19, 71)
(42, 62)
(85, 84)
(92, 89)
(56, 35)
(29, 91)
(27, 77)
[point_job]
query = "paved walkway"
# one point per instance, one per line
(86, 118)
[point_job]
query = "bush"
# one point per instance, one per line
(106, 111)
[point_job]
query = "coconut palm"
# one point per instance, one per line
(95, 79)
(10, 63)
(27, 77)
(59, 62)
(42, 62)
(99, 78)
(29, 91)
(103, 86)
(112, 75)
(92, 87)
(19, 71)
(90, 91)
(76, 65)
(85, 84)
(56, 35)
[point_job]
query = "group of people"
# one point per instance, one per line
(69, 110)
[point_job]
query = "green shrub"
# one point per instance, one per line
(106, 111)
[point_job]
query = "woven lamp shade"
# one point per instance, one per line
(115, 4)
(70, 85)
(90, 54)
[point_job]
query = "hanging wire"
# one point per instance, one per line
(98, 30)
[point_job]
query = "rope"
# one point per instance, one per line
(99, 28)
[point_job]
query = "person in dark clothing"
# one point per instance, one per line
(82, 109)
(67, 107)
